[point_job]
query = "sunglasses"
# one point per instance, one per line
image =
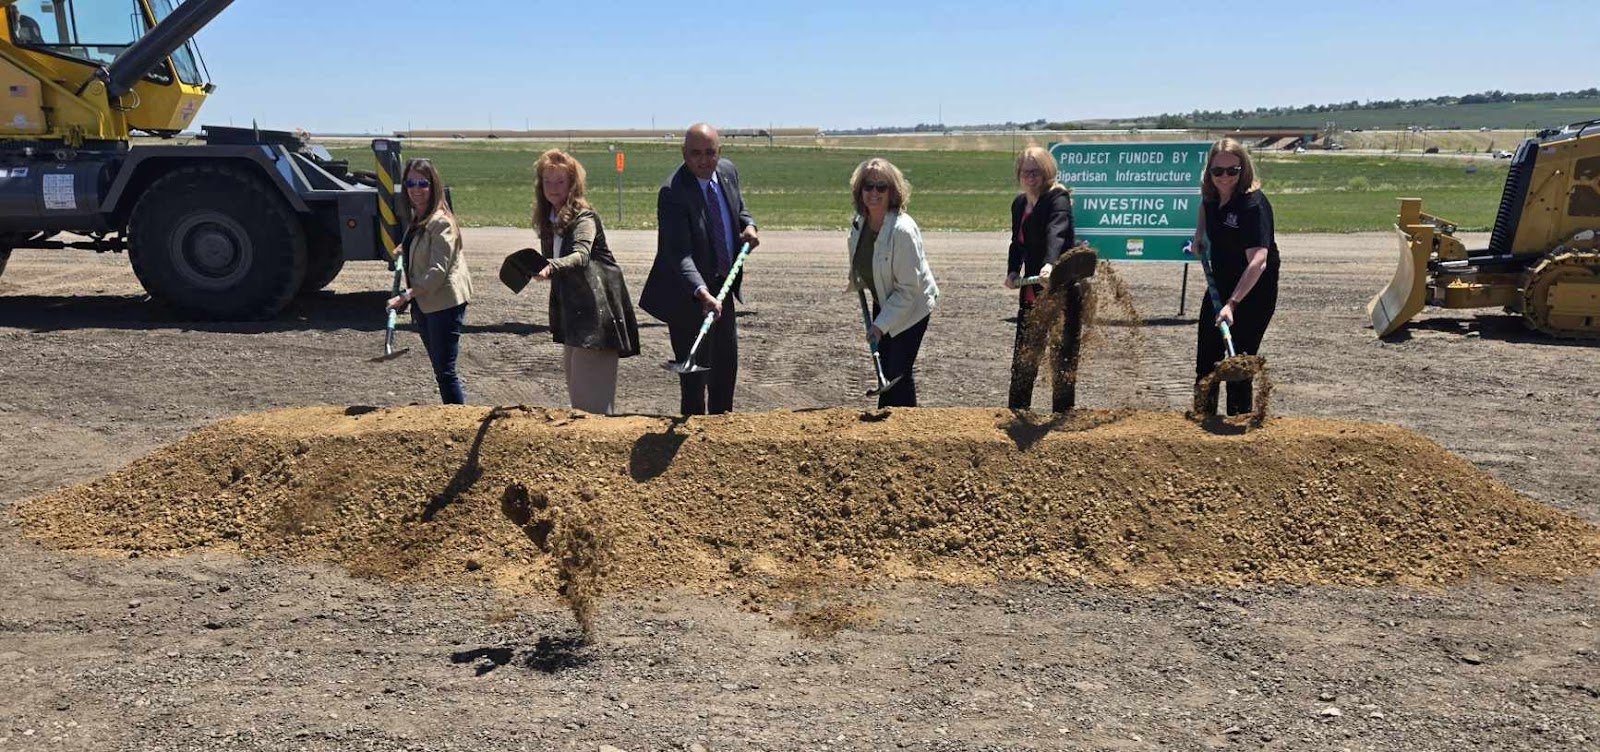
(874, 187)
(419, 184)
(1030, 173)
(1233, 171)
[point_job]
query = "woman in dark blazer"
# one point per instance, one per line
(1041, 230)
(590, 311)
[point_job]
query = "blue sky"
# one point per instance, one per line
(359, 65)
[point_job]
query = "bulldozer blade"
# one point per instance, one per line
(1406, 294)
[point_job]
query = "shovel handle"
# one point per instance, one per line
(1203, 251)
(866, 320)
(733, 273)
(727, 286)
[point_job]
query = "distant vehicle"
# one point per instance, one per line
(1484, 129)
(494, 135)
(1502, 154)
(1299, 149)
(1336, 147)
(1431, 150)
(457, 135)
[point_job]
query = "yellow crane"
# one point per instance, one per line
(230, 229)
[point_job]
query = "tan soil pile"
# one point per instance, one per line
(468, 494)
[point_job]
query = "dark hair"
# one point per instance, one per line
(436, 202)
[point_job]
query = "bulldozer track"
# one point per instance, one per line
(1578, 259)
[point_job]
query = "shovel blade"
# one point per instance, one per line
(388, 356)
(685, 367)
(1240, 367)
(1075, 264)
(884, 386)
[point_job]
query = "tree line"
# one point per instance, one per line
(1492, 96)
(1182, 120)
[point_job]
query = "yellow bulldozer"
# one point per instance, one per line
(1543, 259)
(231, 228)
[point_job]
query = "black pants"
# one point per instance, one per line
(1250, 319)
(708, 391)
(1064, 374)
(899, 356)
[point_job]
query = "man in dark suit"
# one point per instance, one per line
(702, 221)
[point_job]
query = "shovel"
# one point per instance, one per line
(389, 353)
(884, 385)
(1077, 263)
(688, 365)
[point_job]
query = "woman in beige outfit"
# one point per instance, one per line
(438, 284)
(591, 313)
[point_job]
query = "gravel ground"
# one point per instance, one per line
(211, 650)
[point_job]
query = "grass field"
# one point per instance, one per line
(807, 188)
(1499, 115)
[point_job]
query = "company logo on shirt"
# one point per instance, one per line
(1231, 221)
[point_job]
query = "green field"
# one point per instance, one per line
(807, 188)
(1498, 115)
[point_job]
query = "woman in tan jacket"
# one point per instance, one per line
(438, 284)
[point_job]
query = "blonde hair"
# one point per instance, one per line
(1247, 170)
(576, 203)
(1041, 157)
(899, 189)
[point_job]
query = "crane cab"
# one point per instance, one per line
(54, 58)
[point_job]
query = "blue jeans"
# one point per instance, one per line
(441, 337)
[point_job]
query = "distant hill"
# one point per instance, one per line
(1496, 115)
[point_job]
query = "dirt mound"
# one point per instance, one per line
(533, 499)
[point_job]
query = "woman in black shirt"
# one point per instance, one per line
(1041, 230)
(1236, 219)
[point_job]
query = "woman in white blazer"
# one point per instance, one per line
(886, 259)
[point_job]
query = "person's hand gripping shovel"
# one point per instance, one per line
(389, 353)
(688, 365)
(884, 385)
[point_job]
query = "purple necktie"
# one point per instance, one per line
(718, 233)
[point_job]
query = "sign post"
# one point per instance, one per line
(621, 160)
(1135, 201)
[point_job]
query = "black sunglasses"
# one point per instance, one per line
(1218, 172)
(874, 187)
(419, 184)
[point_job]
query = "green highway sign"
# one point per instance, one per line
(1134, 202)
